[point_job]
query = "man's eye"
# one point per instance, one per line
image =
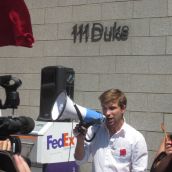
(112, 108)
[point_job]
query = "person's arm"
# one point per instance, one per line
(161, 147)
(79, 150)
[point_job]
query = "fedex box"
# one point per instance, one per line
(50, 142)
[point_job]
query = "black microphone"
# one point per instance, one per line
(17, 125)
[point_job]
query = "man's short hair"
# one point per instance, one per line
(112, 95)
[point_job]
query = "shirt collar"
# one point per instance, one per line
(120, 132)
(122, 129)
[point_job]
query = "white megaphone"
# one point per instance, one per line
(64, 108)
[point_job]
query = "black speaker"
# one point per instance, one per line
(54, 79)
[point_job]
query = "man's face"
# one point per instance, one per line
(113, 113)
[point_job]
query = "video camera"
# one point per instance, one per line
(12, 126)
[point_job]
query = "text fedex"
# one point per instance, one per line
(64, 141)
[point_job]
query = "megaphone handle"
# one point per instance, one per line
(80, 130)
(78, 113)
(86, 125)
(89, 140)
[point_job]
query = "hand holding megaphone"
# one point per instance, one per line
(82, 127)
(79, 130)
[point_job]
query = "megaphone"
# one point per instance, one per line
(64, 108)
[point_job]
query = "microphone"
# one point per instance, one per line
(17, 125)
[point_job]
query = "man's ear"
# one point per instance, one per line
(123, 107)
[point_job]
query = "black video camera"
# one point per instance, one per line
(11, 126)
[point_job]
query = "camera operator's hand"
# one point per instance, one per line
(5, 145)
(21, 164)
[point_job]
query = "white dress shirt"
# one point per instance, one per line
(125, 151)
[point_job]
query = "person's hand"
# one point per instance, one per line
(5, 145)
(21, 164)
(80, 131)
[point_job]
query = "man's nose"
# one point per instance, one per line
(107, 112)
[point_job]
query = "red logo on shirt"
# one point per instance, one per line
(123, 152)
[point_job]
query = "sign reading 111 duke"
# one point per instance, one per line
(96, 32)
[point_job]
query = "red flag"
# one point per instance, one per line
(15, 24)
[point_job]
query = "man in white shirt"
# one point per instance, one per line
(117, 146)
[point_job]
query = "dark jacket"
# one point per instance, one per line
(162, 163)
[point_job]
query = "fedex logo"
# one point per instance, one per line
(63, 141)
